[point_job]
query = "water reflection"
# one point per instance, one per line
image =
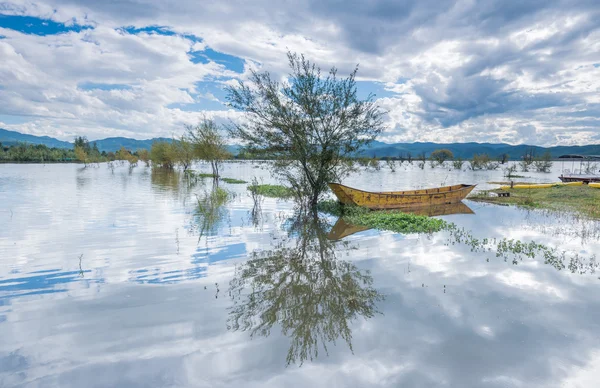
(210, 211)
(343, 228)
(301, 285)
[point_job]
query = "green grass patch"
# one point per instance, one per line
(392, 220)
(272, 191)
(583, 200)
(233, 181)
(196, 174)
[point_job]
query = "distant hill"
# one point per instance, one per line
(108, 144)
(12, 138)
(114, 143)
(467, 150)
(377, 148)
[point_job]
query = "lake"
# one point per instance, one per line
(141, 278)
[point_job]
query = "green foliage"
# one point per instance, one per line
(86, 152)
(210, 210)
(510, 172)
(123, 154)
(543, 163)
(163, 154)
(35, 153)
(507, 249)
(144, 156)
(583, 200)
(311, 124)
(233, 181)
(208, 144)
(440, 156)
(195, 174)
(483, 162)
(185, 152)
(393, 220)
(273, 191)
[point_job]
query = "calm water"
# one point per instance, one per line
(112, 278)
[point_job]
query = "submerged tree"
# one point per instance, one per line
(184, 152)
(440, 156)
(301, 286)
(208, 144)
(309, 124)
(543, 163)
(163, 154)
(144, 156)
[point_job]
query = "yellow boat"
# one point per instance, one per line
(542, 185)
(343, 229)
(594, 185)
(400, 199)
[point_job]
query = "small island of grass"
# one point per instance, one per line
(272, 191)
(583, 200)
(391, 220)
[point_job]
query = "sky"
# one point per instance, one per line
(510, 71)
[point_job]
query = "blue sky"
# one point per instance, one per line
(488, 71)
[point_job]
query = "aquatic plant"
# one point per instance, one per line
(507, 249)
(233, 181)
(273, 191)
(582, 200)
(392, 220)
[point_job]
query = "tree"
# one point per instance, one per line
(184, 151)
(208, 144)
(144, 156)
(311, 124)
(543, 163)
(163, 154)
(440, 156)
(81, 155)
(483, 162)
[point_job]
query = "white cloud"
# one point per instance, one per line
(463, 71)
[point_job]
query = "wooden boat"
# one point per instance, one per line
(401, 199)
(343, 229)
(579, 178)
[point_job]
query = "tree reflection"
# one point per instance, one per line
(210, 210)
(301, 285)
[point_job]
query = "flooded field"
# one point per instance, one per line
(140, 278)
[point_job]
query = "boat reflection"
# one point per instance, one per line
(343, 229)
(302, 286)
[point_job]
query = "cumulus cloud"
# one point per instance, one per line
(491, 70)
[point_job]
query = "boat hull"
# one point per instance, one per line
(401, 199)
(579, 178)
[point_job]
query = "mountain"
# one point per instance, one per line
(376, 148)
(110, 144)
(467, 150)
(12, 138)
(114, 143)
